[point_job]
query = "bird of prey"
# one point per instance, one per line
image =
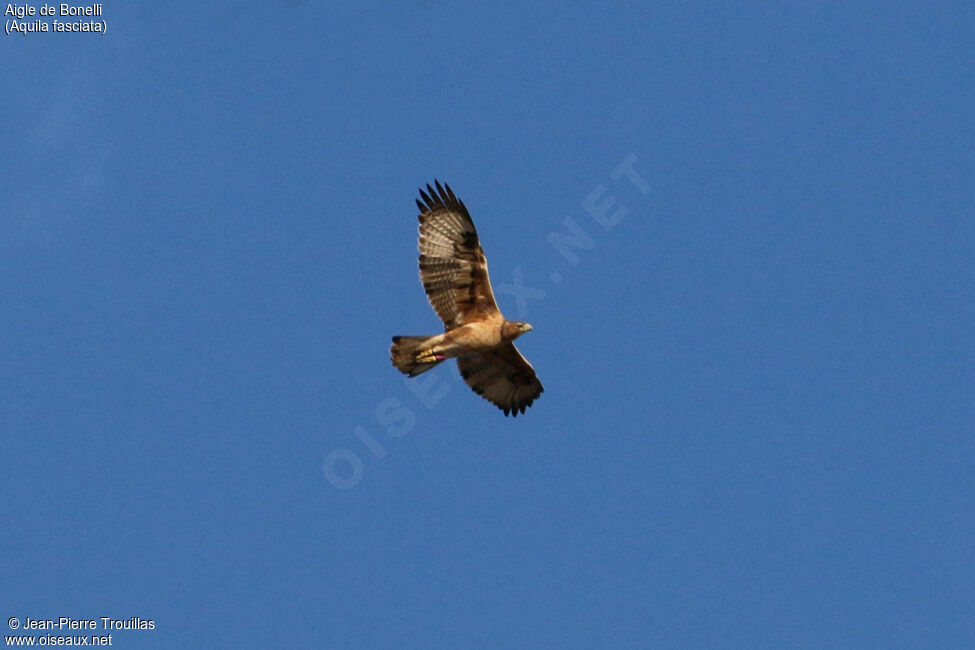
(454, 273)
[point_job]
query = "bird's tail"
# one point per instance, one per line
(409, 356)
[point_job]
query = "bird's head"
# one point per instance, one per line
(512, 329)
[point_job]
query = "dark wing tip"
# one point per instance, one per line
(426, 199)
(514, 409)
(440, 195)
(435, 198)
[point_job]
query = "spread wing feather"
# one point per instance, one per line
(453, 268)
(503, 377)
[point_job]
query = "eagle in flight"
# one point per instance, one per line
(454, 273)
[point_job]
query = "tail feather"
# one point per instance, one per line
(404, 355)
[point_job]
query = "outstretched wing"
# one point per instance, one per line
(453, 268)
(503, 377)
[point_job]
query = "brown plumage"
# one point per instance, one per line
(454, 274)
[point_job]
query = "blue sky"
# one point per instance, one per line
(757, 425)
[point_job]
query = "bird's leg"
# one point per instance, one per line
(429, 356)
(433, 350)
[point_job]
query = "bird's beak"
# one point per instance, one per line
(528, 327)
